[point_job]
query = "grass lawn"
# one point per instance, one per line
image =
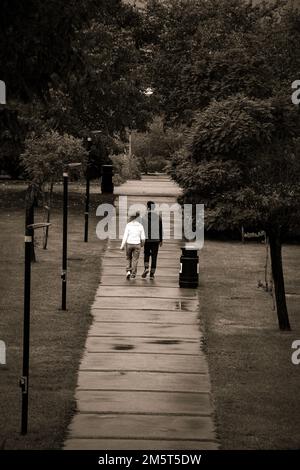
(255, 385)
(57, 338)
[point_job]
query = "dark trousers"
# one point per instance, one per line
(151, 250)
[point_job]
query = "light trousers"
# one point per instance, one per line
(132, 256)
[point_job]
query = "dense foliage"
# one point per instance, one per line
(241, 156)
(73, 67)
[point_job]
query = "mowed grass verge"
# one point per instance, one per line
(255, 385)
(57, 338)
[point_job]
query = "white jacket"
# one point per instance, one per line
(134, 233)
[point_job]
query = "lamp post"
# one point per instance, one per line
(29, 230)
(148, 92)
(65, 234)
(87, 194)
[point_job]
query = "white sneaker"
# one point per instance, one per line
(128, 275)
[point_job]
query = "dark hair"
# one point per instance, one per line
(150, 205)
(134, 216)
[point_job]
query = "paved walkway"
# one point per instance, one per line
(143, 381)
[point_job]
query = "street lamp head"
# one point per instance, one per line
(89, 139)
(73, 165)
(97, 132)
(39, 225)
(149, 91)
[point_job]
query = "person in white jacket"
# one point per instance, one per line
(134, 239)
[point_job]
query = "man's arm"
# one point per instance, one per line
(144, 223)
(160, 230)
(143, 237)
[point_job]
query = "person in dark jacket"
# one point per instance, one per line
(152, 224)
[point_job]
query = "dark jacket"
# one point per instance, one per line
(152, 224)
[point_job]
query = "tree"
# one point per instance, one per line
(110, 95)
(242, 160)
(211, 49)
(125, 167)
(44, 159)
(242, 155)
(74, 66)
(37, 43)
(12, 134)
(153, 149)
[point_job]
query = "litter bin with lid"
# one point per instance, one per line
(107, 185)
(189, 267)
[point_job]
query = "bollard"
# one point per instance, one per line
(107, 185)
(2, 92)
(2, 353)
(189, 267)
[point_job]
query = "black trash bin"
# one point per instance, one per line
(107, 185)
(189, 267)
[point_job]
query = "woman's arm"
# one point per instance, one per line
(143, 237)
(124, 238)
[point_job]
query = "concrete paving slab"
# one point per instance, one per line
(160, 272)
(164, 189)
(146, 381)
(131, 426)
(103, 401)
(143, 345)
(138, 444)
(147, 303)
(124, 361)
(144, 330)
(144, 198)
(145, 316)
(120, 280)
(172, 262)
(130, 290)
(149, 181)
(146, 191)
(167, 244)
(162, 254)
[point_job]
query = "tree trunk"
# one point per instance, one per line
(277, 271)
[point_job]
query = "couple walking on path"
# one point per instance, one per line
(148, 232)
